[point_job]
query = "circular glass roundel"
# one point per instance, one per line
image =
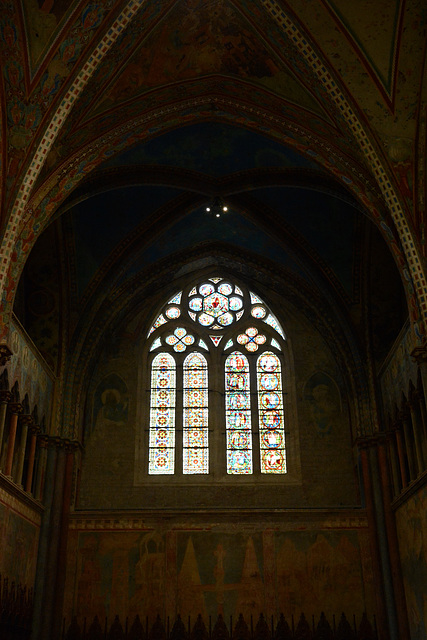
(252, 346)
(269, 381)
(238, 401)
(173, 313)
(205, 320)
(188, 339)
(260, 338)
(235, 362)
(225, 319)
(236, 381)
(206, 289)
(268, 362)
(272, 439)
(171, 340)
(242, 338)
(235, 303)
(270, 400)
(251, 332)
(239, 439)
(258, 312)
(180, 331)
(237, 420)
(225, 288)
(195, 304)
(271, 419)
(179, 347)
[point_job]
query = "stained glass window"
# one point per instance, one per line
(195, 423)
(199, 317)
(162, 415)
(238, 414)
(270, 412)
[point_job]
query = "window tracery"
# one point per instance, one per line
(216, 315)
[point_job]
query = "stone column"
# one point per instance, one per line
(31, 458)
(41, 468)
(401, 456)
(24, 421)
(15, 409)
(70, 449)
(393, 455)
(53, 543)
(44, 540)
(393, 545)
(417, 429)
(4, 399)
(375, 549)
(409, 444)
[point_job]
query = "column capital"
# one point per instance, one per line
(25, 418)
(34, 428)
(419, 354)
(5, 355)
(15, 407)
(5, 397)
(367, 442)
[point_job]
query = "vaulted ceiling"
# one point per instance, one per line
(121, 120)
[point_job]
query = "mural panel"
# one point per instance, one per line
(411, 521)
(19, 543)
(216, 570)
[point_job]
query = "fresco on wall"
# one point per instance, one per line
(399, 371)
(323, 397)
(411, 519)
(18, 549)
(32, 375)
(110, 406)
(212, 572)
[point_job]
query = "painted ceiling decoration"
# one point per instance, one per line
(92, 91)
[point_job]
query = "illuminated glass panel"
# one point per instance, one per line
(157, 342)
(203, 344)
(271, 416)
(206, 289)
(255, 299)
(238, 414)
(258, 312)
(271, 320)
(236, 303)
(176, 299)
(173, 313)
(274, 343)
(215, 280)
(238, 290)
(195, 425)
(162, 415)
(160, 320)
(216, 339)
(228, 345)
(225, 288)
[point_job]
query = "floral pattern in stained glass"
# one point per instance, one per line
(162, 415)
